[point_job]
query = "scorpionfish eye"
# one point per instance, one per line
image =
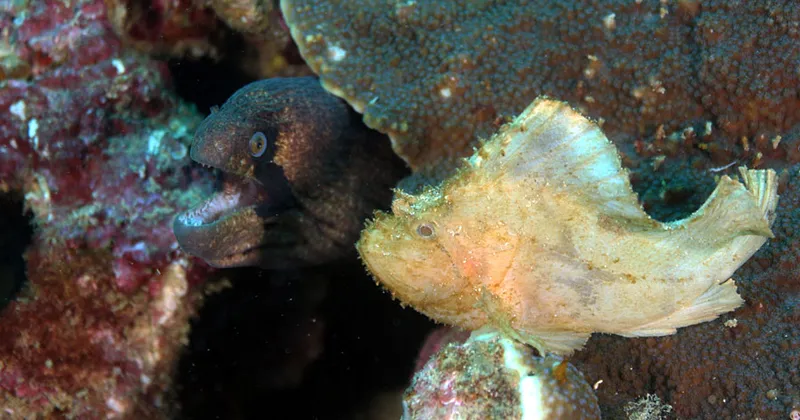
(425, 230)
(258, 144)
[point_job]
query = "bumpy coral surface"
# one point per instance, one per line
(97, 144)
(438, 75)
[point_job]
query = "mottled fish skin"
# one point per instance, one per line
(541, 235)
(304, 199)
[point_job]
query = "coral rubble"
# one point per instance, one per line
(97, 144)
(489, 376)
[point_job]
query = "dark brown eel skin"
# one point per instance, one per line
(301, 173)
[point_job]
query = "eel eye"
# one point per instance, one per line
(258, 144)
(425, 230)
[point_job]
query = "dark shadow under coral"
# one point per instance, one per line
(317, 343)
(16, 232)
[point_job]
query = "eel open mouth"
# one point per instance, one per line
(225, 230)
(236, 194)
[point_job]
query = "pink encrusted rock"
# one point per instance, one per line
(168, 27)
(97, 144)
(436, 340)
(492, 377)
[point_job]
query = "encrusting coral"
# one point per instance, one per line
(97, 144)
(436, 76)
(541, 235)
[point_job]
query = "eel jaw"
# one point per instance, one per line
(227, 229)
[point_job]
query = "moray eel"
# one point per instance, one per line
(301, 173)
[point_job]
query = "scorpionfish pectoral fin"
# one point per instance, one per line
(557, 341)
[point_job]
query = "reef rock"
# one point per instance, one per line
(490, 376)
(96, 144)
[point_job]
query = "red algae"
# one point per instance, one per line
(96, 143)
(169, 27)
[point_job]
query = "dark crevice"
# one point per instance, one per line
(16, 232)
(207, 82)
(319, 343)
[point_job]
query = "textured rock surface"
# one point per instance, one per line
(97, 145)
(493, 377)
(168, 27)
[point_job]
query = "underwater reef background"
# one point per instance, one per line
(103, 316)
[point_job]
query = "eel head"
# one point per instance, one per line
(273, 142)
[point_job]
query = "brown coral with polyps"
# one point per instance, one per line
(436, 76)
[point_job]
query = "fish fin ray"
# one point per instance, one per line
(552, 146)
(558, 342)
(764, 187)
(717, 300)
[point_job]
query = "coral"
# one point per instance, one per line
(248, 16)
(98, 147)
(493, 377)
(268, 50)
(648, 407)
(436, 340)
(203, 30)
(436, 76)
(168, 27)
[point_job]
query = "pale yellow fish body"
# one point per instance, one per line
(541, 235)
